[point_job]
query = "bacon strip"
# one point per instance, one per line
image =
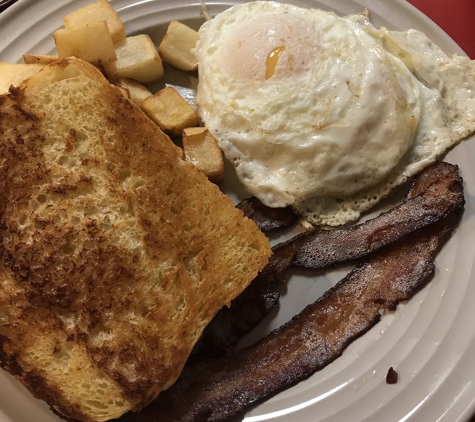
(430, 176)
(433, 194)
(217, 389)
(230, 324)
(248, 309)
(267, 218)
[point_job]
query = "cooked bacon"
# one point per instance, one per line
(433, 194)
(230, 324)
(216, 389)
(267, 218)
(248, 309)
(431, 175)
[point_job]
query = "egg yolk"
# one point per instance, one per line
(272, 60)
(277, 46)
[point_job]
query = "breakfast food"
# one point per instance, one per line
(217, 389)
(15, 73)
(434, 194)
(272, 295)
(231, 323)
(442, 194)
(202, 150)
(38, 59)
(92, 43)
(267, 218)
(170, 111)
(115, 252)
(136, 91)
(177, 44)
(95, 33)
(324, 113)
(101, 10)
(137, 58)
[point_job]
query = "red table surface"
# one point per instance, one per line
(456, 17)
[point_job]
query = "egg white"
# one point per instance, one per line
(446, 94)
(348, 113)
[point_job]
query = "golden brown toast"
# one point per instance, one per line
(115, 253)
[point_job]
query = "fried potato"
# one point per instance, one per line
(101, 10)
(137, 92)
(170, 111)
(15, 73)
(38, 59)
(137, 58)
(202, 150)
(91, 42)
(176, 46)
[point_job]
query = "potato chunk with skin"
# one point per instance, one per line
(92, 43)
(15, 73)
(202, 150)
(101, 10)
(38, 59)
(176, 46)
(170, 111)
(137, 92)
(137, 58)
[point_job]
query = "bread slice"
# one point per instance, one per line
(115, 253)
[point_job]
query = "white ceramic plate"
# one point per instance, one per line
(430, 340)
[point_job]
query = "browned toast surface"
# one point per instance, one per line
(115, 253)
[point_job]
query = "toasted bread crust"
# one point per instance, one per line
(115, 252)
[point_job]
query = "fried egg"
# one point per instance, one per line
(327, 113)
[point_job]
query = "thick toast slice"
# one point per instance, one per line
(115, 253)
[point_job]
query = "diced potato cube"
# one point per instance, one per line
(177, 44)
(101, 10)
(170, 111)
(137, 92)
(137, 58)
(38, 59)
(202, 150)
(15, 73)
(92, 43)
